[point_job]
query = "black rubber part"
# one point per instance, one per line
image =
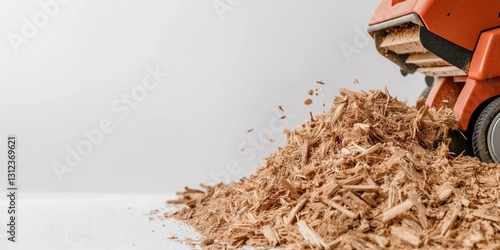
(460, 144)
(429, 81)
(480, 132)
(446, 50)
(426, 92)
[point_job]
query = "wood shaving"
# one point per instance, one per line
(371, 173)
(308, 101)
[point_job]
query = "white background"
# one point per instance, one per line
(226, 75)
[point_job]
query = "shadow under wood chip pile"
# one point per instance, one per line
(370, 173)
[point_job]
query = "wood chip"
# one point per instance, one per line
(286, 183)
(422, 210)
(445, 191)
(295, 210)
(271, 235)
(405, 234)
(449, 222)
(397, 210)
(357, 199)
(369, 199)
(310, 236)
(486, 216)
(369, 151)
(340, 208)
(339, 111)
(367, 188)
(305, 151)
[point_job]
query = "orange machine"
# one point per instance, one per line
(457, 41)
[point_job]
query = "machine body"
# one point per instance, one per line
(457, 41)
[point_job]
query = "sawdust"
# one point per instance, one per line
(371, 173)
(308, 101)
(403, 39)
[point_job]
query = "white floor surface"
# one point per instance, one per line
(92, 221)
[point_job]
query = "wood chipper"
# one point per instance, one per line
(458, 43)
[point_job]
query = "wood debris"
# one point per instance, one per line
(308, 101)
(397, 210)
(271, 235)
(370, 173)
(310, 236)
(340, 208)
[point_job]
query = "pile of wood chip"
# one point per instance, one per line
(371, 173)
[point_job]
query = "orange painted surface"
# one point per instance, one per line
(473, 94)
(390, 9)
(444, 93)
(458, 21)
(486, 60)
(474, 25)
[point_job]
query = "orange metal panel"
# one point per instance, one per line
(388, 9)
(458, 21)
(486, 61)
(444, 93)
(474, 94)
